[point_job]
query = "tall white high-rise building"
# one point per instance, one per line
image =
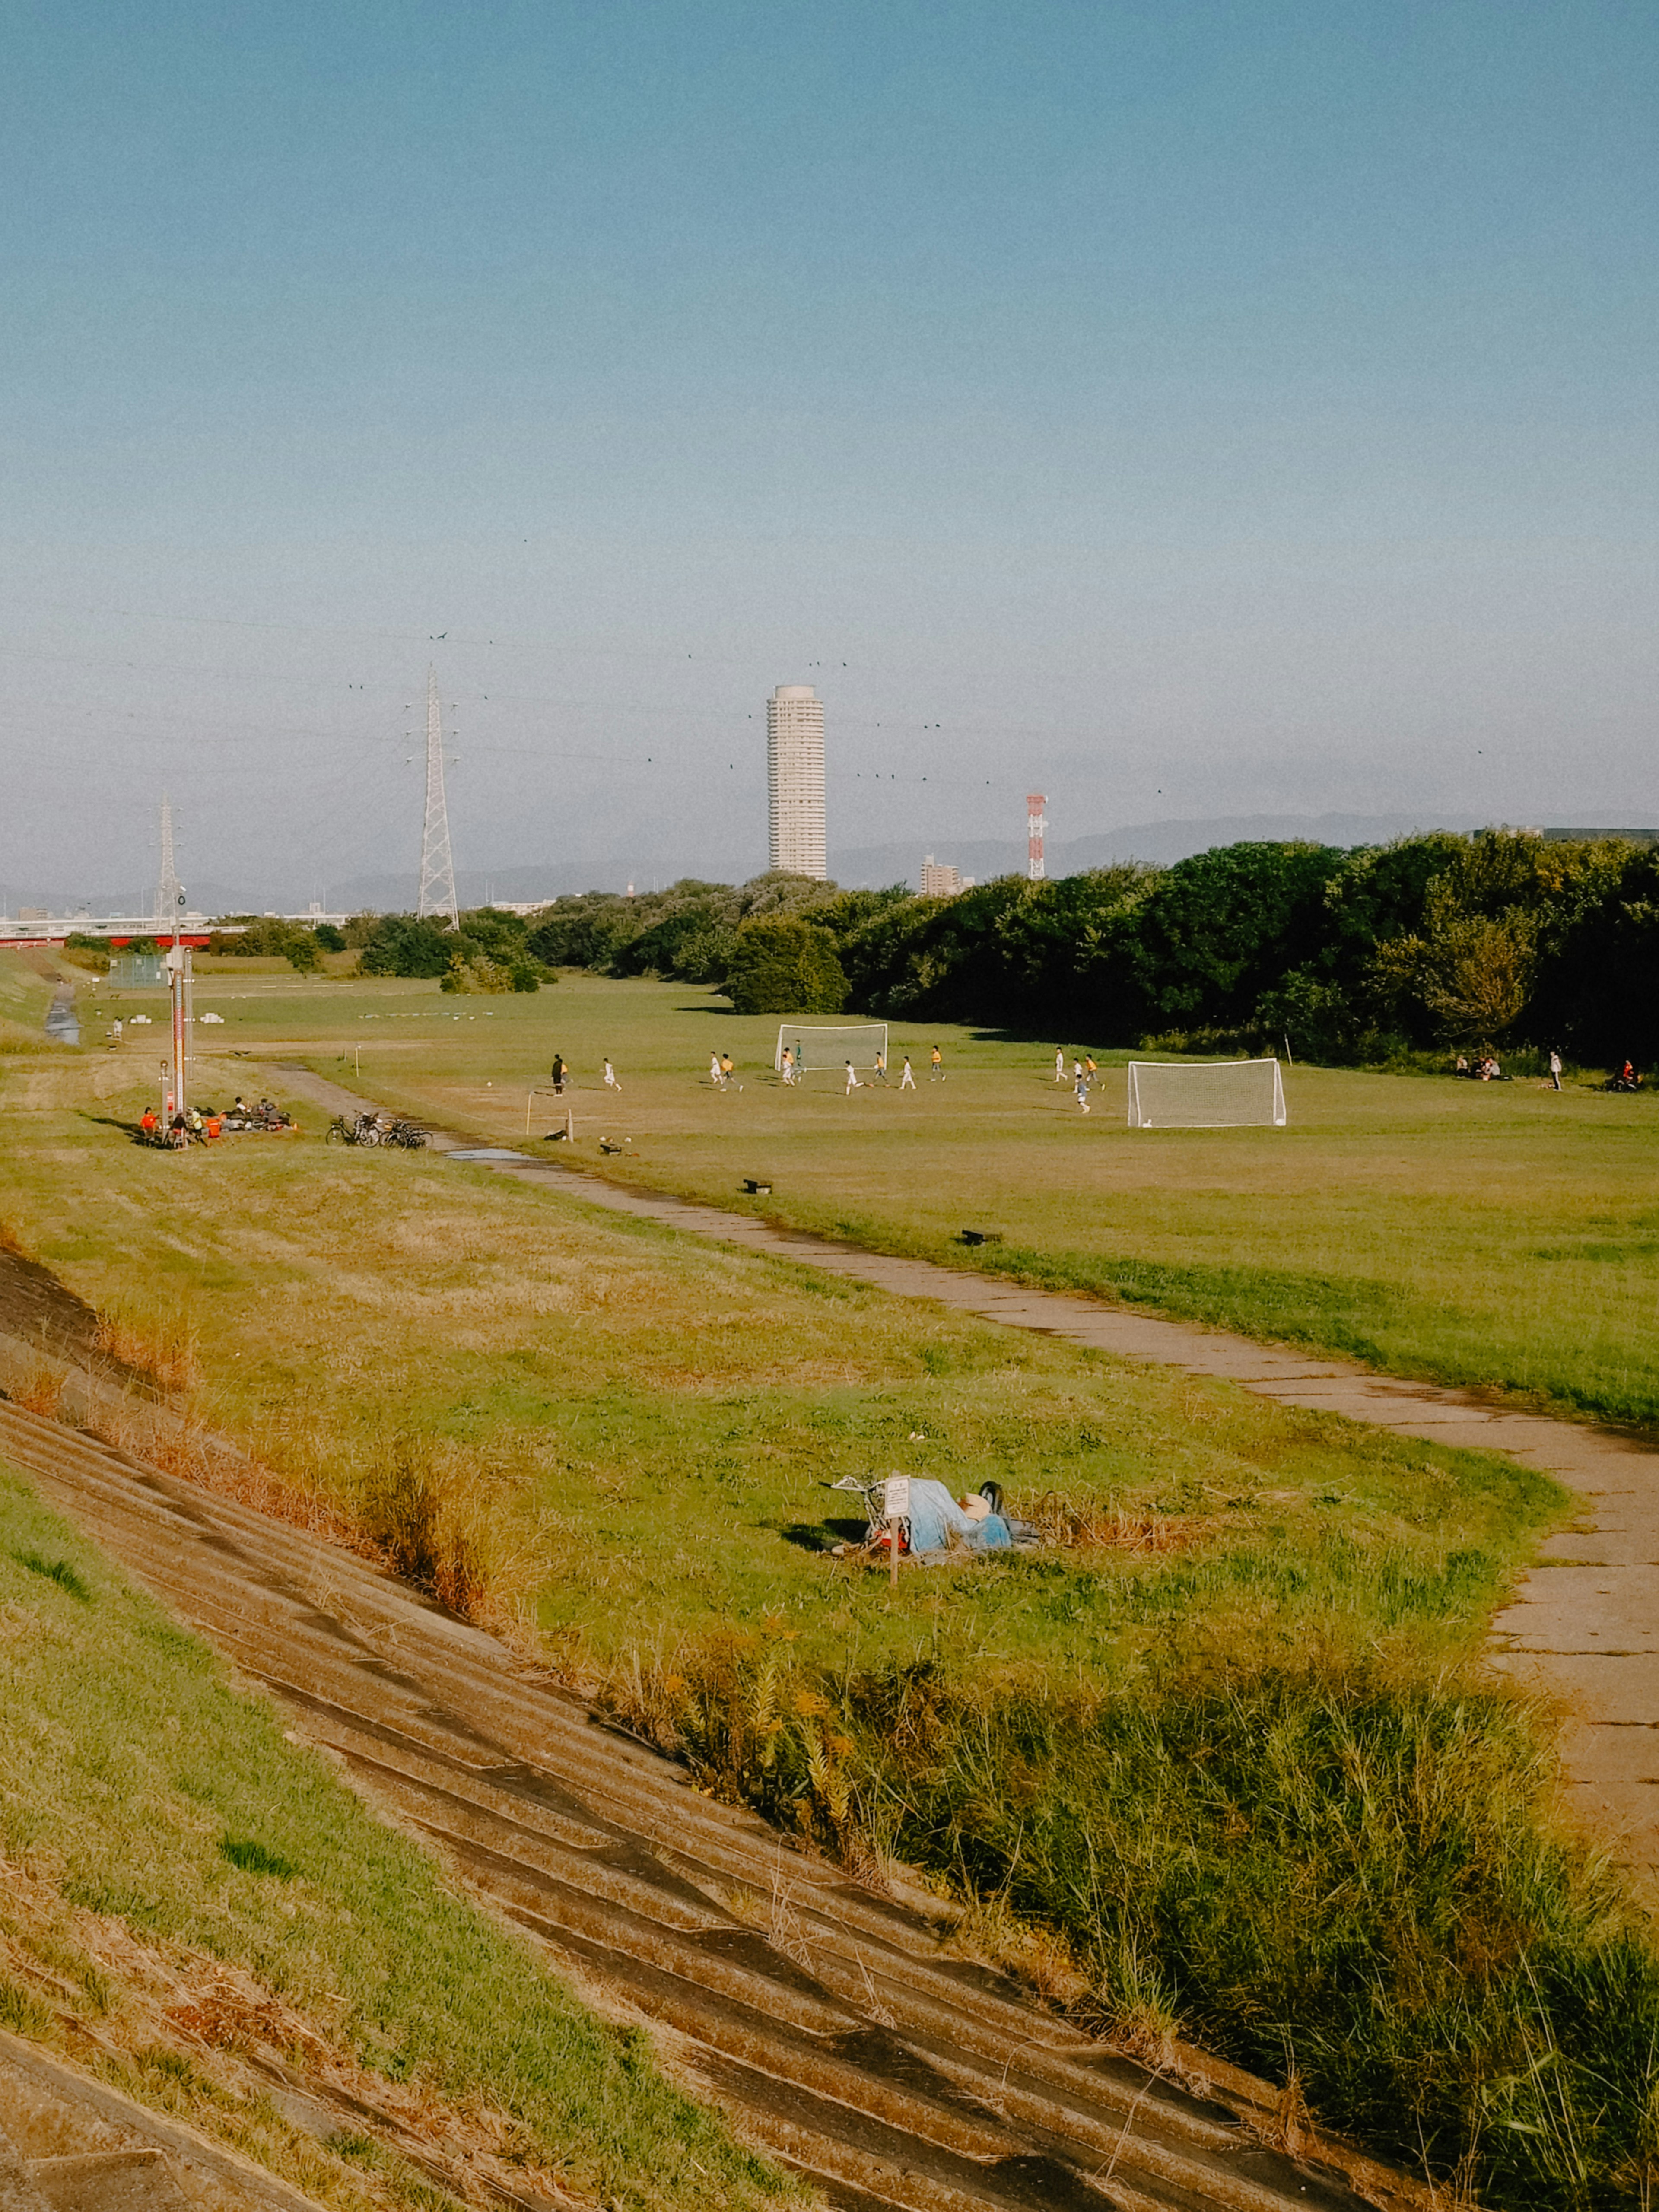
(795, 781)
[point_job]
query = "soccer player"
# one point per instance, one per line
(716, 1074)
(1083, 1091)
(611, 1082)
(852, 1078)
(788, 1068)
(936, 1066)
(881, 1067)
(908, 1080)
(1060, 1063)
(726, 1067)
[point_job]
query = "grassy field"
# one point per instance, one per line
(633, 1429)
(169, 1854)
(1473, 1233)
(1229, 1758)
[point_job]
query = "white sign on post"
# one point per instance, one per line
(897, 1504)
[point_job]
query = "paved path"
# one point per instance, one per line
(1582, 1628)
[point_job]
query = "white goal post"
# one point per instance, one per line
(816, 1049)
(1200, 1095)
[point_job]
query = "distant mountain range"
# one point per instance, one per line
(1158, 843)
(856, 868)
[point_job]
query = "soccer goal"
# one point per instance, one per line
(816, 1050)
(1217, 1094)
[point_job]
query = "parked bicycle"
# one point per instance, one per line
(376, 1129)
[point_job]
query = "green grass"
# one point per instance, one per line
(139, 1786)
(1497, 1235)
(25, 995)
(631, 1431)
(1236, 1767)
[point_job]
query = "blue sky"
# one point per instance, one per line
(1183, 409)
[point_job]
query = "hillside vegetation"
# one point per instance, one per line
(1217, 1761)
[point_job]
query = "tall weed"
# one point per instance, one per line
(1345, 1875)
(418, 1520)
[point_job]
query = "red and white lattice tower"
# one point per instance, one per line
(1035, 824)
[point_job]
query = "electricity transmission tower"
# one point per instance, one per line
(437, 864)
(168, 890)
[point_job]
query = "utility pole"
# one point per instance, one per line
(437, 864)
(169, 912)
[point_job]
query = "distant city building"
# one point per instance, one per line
(795, 781)
(939, 881)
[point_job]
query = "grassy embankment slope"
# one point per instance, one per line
(25, 995)
(182, 1884)
(1231, 1757)
(1473, 1233)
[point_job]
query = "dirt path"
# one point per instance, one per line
(1583, 1627)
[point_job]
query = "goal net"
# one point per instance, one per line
(815, 1050)
(1219, 1095)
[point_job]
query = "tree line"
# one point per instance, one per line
(1504, 939)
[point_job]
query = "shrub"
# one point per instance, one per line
(785, 966)
(407, 945)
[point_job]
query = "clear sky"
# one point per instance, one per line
(1183, 409)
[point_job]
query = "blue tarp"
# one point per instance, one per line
(936, 1518)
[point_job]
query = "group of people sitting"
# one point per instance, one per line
(192, 1126)
(1484, 1070)
(203, 1125)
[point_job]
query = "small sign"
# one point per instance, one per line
(898, 1500)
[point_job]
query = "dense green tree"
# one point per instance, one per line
(408, 945)
(267, 937)
(783, 966)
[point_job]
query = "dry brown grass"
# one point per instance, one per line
(162, 1346)
(1084, 1524)
(38, 1389)
(216, 2041)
